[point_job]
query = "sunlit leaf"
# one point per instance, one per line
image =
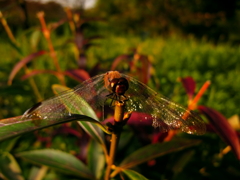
(133, 175)
(35, 37)
(15, 126)
(37, 173)
(223, 128)
(58, 160)
(94, 131)
(234, 121)
(9, 167)
(156, 150)
(22, 63)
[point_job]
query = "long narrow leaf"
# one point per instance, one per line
(156, 150)
(133, 175)
(223, 128)
(37, 172)
(189, 85)
(8, 145)
(22, 63)
(77, 74)
(15, 126)
(96, 158)
(58, 160)
(94, 131)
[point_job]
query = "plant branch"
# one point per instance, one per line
(119, 122)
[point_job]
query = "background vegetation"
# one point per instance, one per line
(180, 38)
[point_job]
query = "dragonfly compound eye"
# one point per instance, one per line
(122, 86)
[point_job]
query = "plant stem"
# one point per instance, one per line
(47, 33)
(70, 19)
(113, 148)
(8, 30)
(192, 105)
(117, 128)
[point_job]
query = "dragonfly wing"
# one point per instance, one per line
(89, 94)
(164, 113)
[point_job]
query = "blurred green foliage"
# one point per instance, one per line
(218, 20)
(175, 57)
(172, 57)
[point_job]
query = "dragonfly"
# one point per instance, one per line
(138, 97)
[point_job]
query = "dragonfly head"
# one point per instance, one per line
(119, 85)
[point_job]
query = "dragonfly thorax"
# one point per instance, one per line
(119, 85)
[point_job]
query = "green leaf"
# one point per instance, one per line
(8, 144)
(38, 173)
(15, 126)
(85, 110)
(9, 167)
(133, 175)
(156, 150)
(96, 158)
(58, 160)
(94, 131)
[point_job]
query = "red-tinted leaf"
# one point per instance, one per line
(159, 137)
(135, 116)
(57, 24)
(118, 60)
(144, 72)
(39, 71)
(134, 119)
(22, 63)
(189, 85)
(223, 128)
(64, 129)
(78, 74)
